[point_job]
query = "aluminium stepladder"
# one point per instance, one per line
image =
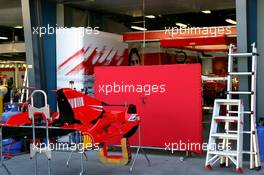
(254, 149)
(214, 151)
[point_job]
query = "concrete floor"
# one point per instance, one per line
(161, 165)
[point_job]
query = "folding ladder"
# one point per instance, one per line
(254, 149)
(214, 151)
(25, 88)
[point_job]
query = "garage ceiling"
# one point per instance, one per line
(10, 13)
(167, 12)
(154, 7)
(129, 12)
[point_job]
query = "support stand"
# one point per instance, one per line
(45, 111)
(182, 158)
(1, 154)
(70, 156)
(82, 154)
(139, 149)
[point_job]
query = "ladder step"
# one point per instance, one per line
(240, 92)
(225, 136)
(226, 118)
(241, 73)
(235, 132)
(247, 132)
(244, 112)
(223, 153)
(228, 101)
(248, 152)
(241, 54)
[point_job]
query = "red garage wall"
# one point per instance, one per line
(171, 111)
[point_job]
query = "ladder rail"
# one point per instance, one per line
(209, 157)
(254, 135)
(254, 147)
(229, 96)
(240, 135)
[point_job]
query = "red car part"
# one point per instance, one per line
(88, 115)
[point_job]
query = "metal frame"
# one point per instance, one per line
(82, 154)
(140, 148)
(235, 156)
(46, 111)
(254, 146)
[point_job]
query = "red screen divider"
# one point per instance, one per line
(168, 99)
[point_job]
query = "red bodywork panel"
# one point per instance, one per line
(88, 115)
(85, 108)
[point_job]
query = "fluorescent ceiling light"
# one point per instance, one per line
(181, 24)
(137, 22)
(3, 37)
(231, 21)
(18, 27)
(138, 28)
(206, 11)
(150, 16)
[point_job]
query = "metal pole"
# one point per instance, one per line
(82, 149)
(46, 112)
(34, 140)
(139, 149)
(254, 134)
(229, 96)
(48, 143)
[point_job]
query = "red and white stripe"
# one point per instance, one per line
(76, 102)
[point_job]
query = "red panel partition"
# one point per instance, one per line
(168, 99)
